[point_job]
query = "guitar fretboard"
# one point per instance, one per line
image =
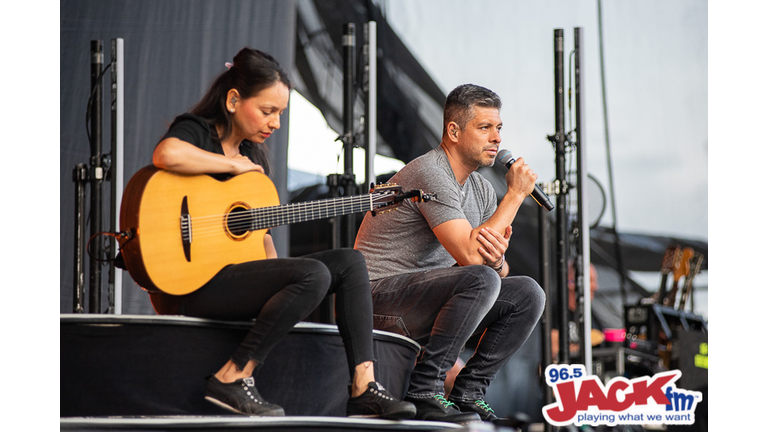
(270, 217)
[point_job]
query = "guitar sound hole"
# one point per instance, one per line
(237, 222)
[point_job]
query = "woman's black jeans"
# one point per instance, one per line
(278, 293)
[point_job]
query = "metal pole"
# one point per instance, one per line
(546, 319)
(80, 177)
(582, 244)
(562, 217)
(96, 174)
(348, 45)
(115, 287)
(619, 255)
(341, 227)
(370, 87)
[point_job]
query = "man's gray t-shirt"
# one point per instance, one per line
(401, 241)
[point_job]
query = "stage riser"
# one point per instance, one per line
(263, 424)
(128, 366)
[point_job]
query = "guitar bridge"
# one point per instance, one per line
(186, 230)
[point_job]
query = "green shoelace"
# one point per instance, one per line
(484, 405)
(443, 401)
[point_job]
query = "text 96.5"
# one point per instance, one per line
(561, 373)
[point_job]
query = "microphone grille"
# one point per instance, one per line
(504, 156)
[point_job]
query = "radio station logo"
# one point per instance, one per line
(583, 399)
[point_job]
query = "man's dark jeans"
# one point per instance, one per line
(441, 309)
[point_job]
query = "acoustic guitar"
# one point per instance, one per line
(178, 231)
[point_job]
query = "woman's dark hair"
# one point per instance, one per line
(251, 72)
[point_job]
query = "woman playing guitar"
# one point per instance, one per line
(223, 135)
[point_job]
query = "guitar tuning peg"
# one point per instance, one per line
(428, 197)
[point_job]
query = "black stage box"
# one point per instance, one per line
(135, 365)
(650, 328)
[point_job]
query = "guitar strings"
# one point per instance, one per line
(257, 219)
(284, 210)
(289, 208)
(269, 217)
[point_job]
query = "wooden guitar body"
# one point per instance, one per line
(154, 203)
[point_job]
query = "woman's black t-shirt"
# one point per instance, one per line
(195, 130)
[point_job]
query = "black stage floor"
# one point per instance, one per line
(261, 424)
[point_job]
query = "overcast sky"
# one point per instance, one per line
(655, 55)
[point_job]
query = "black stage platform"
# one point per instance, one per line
(260, 424)
(143, 372)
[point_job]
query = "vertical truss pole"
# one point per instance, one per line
(582, 267)
(115, 286)
(561, 214)
(348, 43)
(370, 83)
(96, 173)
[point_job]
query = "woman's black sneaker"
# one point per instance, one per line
(438, 408)
(240, 397)
(376, 401)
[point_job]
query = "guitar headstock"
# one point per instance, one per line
(385, 188)
(695, 266)
(388, 196)
(693, 269)
(670, 260)
(683, 264)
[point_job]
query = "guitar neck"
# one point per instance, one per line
(270, 217)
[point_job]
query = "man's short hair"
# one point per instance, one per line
(461, 100)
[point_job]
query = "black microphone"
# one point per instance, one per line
(506, 159)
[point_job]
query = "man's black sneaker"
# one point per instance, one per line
(438, 408)
(240, 397)
(479, 406)
(377, 402)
